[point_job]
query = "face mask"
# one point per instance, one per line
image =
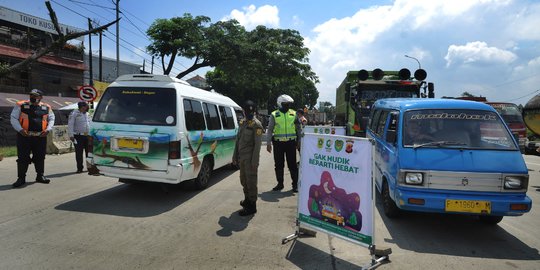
(33, 100)
(284, 107)
(250, 116)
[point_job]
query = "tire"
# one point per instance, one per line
(389, 206)
(201, 182)
(490, 220)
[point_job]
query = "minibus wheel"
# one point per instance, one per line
(389, 206)
(201, 182)
(491, 220)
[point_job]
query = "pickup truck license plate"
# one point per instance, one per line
(467, 206)
(130, 144)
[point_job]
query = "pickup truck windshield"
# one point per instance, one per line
(450, 128)
(137, 105)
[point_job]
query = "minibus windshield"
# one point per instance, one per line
(137, 105)
(455, 128)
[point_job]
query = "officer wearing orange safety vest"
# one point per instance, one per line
(33, 120)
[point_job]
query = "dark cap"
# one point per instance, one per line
(81, 104)
(36, 92)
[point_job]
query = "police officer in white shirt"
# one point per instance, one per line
(78, 128)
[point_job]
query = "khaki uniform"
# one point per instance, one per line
(246, 155)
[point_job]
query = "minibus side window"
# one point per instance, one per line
(374, 120)
(381, 123)
(212, 117)
(226, 117)
(392, 127)
(193, 114)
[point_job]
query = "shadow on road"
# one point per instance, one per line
(455, 235)
(275, 196)
(233, 223)
(139, 199)
(307, 257)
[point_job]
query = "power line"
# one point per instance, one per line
(109, 10)
(525, 95)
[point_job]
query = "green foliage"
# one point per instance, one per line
(328, 108)
(259, 65)
(8, 151)
(4, 67)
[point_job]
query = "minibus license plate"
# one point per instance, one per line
(480, 207)
(130, 143)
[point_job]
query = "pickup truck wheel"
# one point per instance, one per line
(490, 220)
(201, 182)
(389, 206)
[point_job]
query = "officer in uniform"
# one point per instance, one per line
(33, 120)
(78, 127)
(246, 155)
(282, 133)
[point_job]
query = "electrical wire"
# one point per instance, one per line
(127, 29)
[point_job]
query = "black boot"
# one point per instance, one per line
(19, 183)
(250, 209)
(244, 202)
(279, 186)
(42, 179)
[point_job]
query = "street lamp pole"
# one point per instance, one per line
(419, 67)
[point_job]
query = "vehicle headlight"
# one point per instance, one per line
(515, 182)
(414, 178)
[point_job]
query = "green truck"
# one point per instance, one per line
(360, 89)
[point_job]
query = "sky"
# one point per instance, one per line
(488, 48)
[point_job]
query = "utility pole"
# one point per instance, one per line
(90, 60)
(117, 38)
(100, 56)
(152, 68)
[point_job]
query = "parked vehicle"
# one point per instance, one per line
(160, 129)
(447, 156)
(360, 89)
(512, 116)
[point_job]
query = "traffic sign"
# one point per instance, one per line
(87, 93)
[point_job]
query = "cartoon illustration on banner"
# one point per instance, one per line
(336, 187)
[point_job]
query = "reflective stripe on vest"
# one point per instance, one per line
(24, 119)
(284, 128)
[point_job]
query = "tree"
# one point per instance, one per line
(259, 65)
(177, 36)
(56, 45)
(328, 108)
(268, 63)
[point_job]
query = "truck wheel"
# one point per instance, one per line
(490, 220)
(201, 182)
(389, 206)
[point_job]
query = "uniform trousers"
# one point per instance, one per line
(248, 179)
(286, 150)
(80, 146)
(35, 145)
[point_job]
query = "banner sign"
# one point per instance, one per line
(335, 193)
(328, 130)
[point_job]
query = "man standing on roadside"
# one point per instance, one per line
(246, 155)
(78, 127)
(282, 136)
(33, 120)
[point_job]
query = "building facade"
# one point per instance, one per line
(58, 73)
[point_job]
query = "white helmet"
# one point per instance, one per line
(284, 99)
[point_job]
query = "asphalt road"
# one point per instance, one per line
(94, 222)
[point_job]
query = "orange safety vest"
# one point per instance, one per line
(40, 114)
